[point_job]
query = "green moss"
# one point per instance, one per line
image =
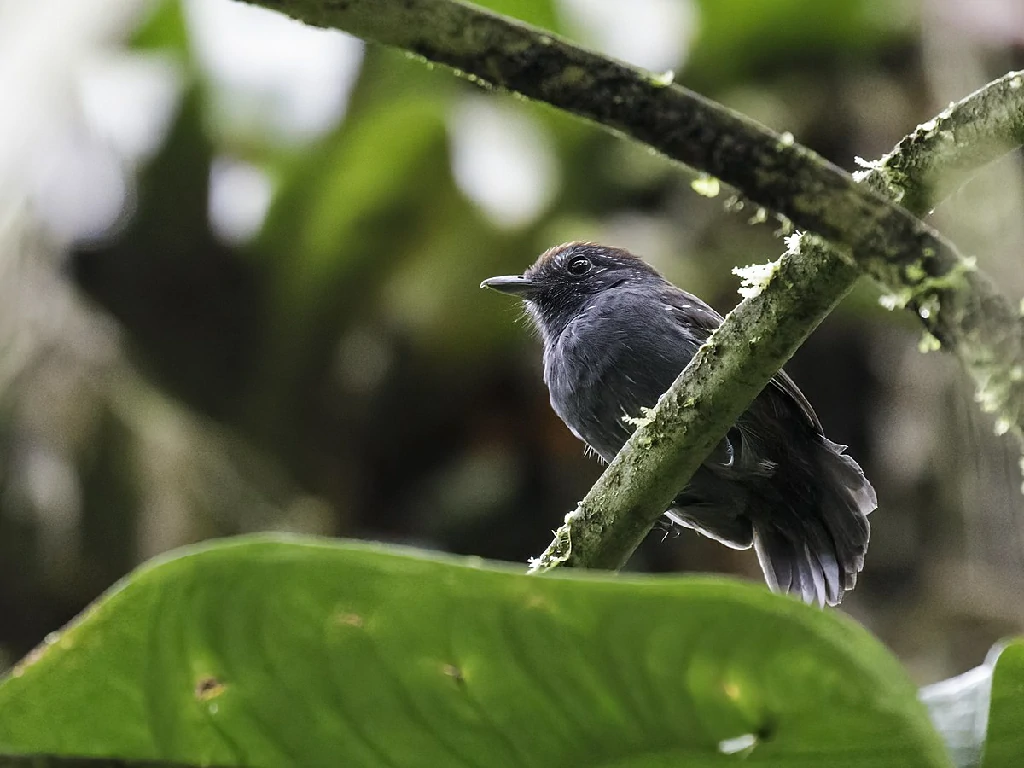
(560, 549)
(664, 79)
(707, 186)
(914, 272)
(646, 417)
(574, 75)
(928, 343)
(896, 300)
(929, 307)
(760, 216)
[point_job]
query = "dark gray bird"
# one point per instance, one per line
(616, 335)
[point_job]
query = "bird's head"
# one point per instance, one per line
(565, 279)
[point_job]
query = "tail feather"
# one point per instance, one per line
(805, 512)
(792, 568)
(817, 549)
(833, 585)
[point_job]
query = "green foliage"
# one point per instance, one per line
(297, 652)
(737, 38)
(540, 13)
(336, 217)
(1004, 742)
(163, 29)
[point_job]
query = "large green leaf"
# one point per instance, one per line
(1004, 741)
(273, 652)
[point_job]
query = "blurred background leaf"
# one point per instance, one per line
(740, 39)
(541, 13)
(1004, 741)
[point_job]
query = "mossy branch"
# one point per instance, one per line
(764, 331)
(957, 305)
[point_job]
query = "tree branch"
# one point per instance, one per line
(762, 333)
(956, 304)
(921, 269)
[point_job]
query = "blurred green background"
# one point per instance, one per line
(239, 261)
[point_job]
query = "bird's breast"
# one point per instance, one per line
(603, 370)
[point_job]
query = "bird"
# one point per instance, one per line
(616, 334)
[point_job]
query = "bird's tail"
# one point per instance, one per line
(816, 548)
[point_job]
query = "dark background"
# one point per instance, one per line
(239, 262)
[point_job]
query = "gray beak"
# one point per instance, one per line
(514, 285)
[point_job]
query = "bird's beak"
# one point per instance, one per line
(514, 285)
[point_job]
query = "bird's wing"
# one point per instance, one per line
(787, 386)
(699, 320)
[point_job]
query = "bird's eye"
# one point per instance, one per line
(579, 266)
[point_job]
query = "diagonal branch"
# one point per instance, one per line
(957, 304)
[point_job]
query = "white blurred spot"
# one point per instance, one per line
(991, 22)
(79, 187)
(270, 67)
(79, 184)
(41, 44)
(502, 160)
(50, 485)
(240, 195)
(128, 101)
(654, 34)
